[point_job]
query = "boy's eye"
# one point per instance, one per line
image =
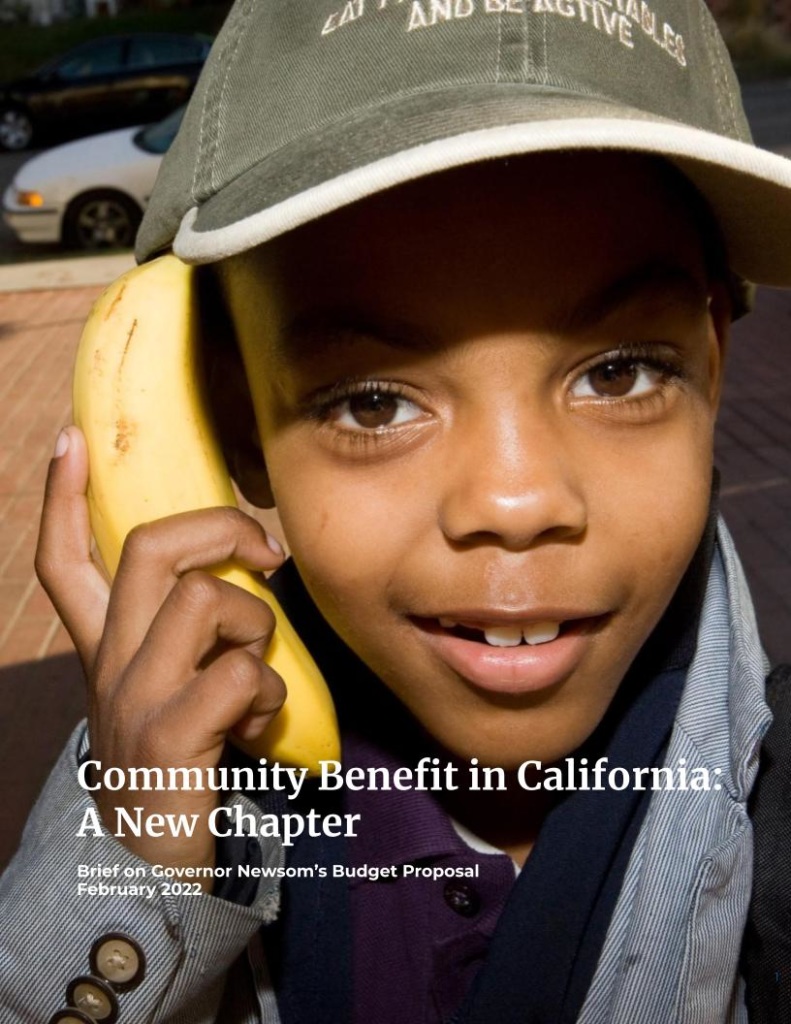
(374, 409)
(619, 378)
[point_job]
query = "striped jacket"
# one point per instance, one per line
(671, 952)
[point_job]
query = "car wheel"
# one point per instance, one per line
(101, 220)
(16, 128)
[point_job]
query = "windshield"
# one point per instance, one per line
(156, 138)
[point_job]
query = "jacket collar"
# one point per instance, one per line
(727, 722)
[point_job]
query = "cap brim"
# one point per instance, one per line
(747, 188)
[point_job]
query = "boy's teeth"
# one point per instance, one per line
(541, 632)
(503, 636)
(511, 636)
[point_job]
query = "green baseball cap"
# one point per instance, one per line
(305, 106)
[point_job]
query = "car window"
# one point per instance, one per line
(156, 138)
(155, 52)
(94, 59)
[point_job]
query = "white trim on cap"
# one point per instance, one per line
(657, 137)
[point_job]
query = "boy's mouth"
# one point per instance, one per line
(511, 655)
(510, 632)
(508, 635)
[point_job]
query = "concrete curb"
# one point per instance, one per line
(82, 272)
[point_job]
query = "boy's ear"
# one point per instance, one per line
(229, 398)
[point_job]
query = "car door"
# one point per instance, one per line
(160, 73)
(76, 93)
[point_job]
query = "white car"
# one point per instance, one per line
(89, 194)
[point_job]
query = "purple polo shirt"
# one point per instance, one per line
(417, 942)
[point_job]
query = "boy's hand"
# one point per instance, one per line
(173, 656)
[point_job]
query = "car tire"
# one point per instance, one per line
(16, 129)
(101, 220)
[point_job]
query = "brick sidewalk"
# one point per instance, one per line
(754, 457)
(38, 334)
(41, 694)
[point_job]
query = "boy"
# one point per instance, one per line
(476, 320)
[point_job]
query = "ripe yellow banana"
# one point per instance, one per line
(138, 397)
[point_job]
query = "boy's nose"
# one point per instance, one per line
(514, 487)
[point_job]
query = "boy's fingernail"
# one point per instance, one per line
(62, 444)
(274, 544)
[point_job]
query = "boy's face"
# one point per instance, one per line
(486, 403)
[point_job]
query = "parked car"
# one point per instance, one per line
(89, 194)
(111, 82)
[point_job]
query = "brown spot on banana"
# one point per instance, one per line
(129, 337)
(124, 434)
(115, 302)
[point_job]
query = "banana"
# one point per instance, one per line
(138, 398)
